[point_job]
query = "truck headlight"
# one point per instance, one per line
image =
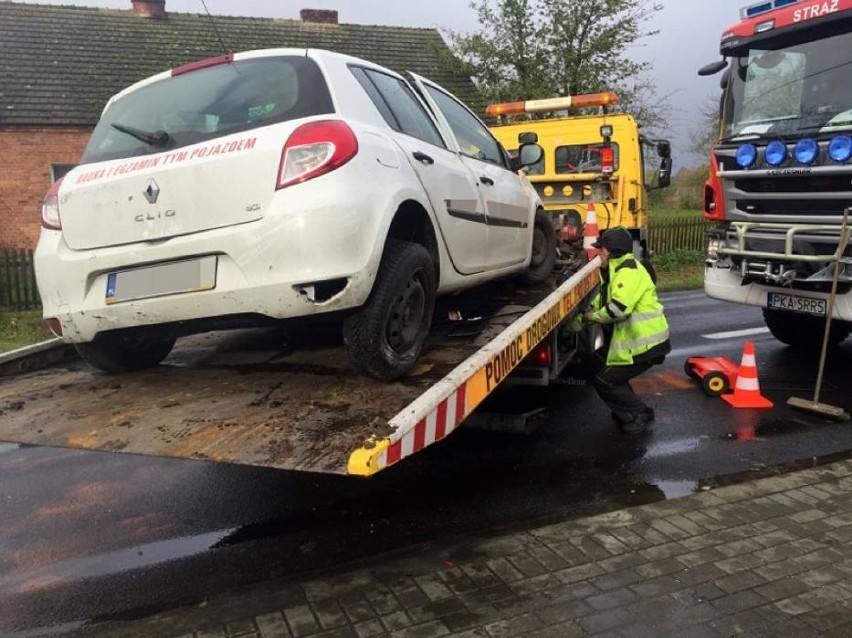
(711, 248)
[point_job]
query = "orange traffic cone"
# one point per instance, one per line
(590, 231)
(747, 389)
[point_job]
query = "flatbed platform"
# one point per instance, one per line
(250, 396)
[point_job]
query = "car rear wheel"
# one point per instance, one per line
(116, 352)
(385, 336)
(543, 251)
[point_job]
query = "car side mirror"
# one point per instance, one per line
(529, 137)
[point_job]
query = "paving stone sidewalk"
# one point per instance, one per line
(772, 557)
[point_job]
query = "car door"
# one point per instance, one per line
(506, 195)
(448, 183)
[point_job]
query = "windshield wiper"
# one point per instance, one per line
(742, 137)
(159, 139)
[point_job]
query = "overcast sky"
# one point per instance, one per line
(688, 39)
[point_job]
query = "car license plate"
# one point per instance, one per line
(163, 279)
(796, 303)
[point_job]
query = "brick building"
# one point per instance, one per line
(60, 64)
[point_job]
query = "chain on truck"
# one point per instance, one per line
(781, 169)
(593, 159)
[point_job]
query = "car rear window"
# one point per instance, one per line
(209, 103)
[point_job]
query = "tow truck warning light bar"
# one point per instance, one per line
(764, 7)
(608, 98)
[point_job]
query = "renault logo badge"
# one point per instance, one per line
(152, 191)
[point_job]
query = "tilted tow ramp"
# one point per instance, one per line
(246, 398)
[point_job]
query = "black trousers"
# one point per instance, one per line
(613, 386)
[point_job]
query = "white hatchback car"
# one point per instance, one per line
(277, 184)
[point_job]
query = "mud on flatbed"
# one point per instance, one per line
(270, 397)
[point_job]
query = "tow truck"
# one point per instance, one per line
(781, 167)
(593, 160)
(289, 399)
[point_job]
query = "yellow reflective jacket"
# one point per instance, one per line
(628, 300)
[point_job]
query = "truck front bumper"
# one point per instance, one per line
(726, 284)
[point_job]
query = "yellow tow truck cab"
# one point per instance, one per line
(588, 159)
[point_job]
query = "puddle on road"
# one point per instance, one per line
(62, 629)
(676, 489)
(671, 448)
(753, 429)
(116, 562)
(653, 491)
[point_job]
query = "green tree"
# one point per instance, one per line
(530, 49)
(706, 131)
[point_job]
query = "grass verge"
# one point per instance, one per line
(679, 270)
(19, 329)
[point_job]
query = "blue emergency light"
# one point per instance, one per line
(764, 7)
(746, 155)
(775, 153)
(840, 148)
(806, 151)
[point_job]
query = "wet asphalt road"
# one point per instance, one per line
(87, 535)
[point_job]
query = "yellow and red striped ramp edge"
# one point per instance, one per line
(439, 410)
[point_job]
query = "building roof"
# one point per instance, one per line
(60, 64)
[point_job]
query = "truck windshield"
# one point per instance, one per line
(208, 103)
(796, 89)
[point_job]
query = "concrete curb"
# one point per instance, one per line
(35, 357)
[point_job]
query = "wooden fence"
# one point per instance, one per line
(18, 289)
(18, 286)
(677, 233)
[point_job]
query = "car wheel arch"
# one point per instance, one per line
(412, 223)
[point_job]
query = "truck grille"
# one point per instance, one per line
(763, 194)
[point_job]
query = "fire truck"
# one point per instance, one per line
(594, 159)
(781, 168)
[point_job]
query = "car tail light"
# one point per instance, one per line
(50, 207)
(315, 148)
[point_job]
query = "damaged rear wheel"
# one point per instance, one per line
(385, 336)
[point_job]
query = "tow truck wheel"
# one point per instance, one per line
(543, 251)
(714, 384)
(804, 331)
(123, 352)
(385, 336)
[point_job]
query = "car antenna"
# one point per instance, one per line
(215, 30)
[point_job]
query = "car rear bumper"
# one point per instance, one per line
(259, 271)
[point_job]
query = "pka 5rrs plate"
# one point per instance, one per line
(796, 303)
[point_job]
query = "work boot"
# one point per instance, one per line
(621, 417)
(640, 422)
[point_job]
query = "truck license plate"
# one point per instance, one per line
(796, 303)
(163, 279)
